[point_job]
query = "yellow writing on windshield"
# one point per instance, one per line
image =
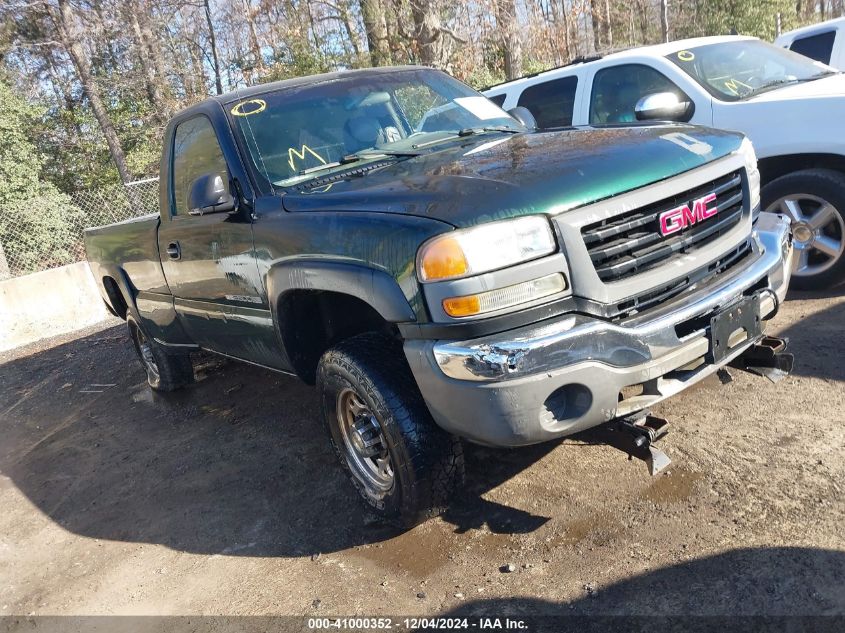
(734, 84)
(292, 154)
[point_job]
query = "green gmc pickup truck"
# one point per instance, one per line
(441, 270)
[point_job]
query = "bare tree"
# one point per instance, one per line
(375, 24)
(68, 30)
(212, 38)
(142, 49)
(506, 20)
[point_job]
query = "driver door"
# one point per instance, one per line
(616, 89)
(209, 260)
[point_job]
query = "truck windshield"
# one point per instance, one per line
(741, 69)
(296, 134)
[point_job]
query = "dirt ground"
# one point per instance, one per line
(226, 499)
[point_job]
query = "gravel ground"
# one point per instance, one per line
(225, 499)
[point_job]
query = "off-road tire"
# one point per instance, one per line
(172, 371)
(827, 184)
(428, 463)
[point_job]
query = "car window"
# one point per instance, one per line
(302, 132)
(551, 102)
(499, 100)
(818, 47)
(195, 152)
(617, 89)
(742, 69)
(417, 102)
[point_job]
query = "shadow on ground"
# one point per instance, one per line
(768, 582)
(814, 339)
(237, 464)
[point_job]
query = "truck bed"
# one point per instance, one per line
(129, 247)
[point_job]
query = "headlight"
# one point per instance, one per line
(747, 151)
(484, 248)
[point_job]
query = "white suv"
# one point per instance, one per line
(792, 108)
(824, 42)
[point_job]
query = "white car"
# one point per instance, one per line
(792, 108)
(823, 42)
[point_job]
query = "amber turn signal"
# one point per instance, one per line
(462, 306)
(443, 259)
(501, 298)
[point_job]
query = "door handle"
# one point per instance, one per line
(173, 250)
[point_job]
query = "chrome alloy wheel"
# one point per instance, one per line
(364, 443)
(818, 232)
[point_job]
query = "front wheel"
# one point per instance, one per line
(814, 202)
(405, 466)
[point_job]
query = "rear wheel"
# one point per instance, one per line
(403, 464)
(166, 371)
(814, 202)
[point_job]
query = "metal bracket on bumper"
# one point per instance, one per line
(767, 358)
(636, 434)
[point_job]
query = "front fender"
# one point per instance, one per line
(375, 287)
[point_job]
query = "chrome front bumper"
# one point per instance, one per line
(556, 378)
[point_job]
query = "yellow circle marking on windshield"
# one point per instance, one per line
(686, 56)
(245, 108)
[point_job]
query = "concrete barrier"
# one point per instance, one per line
(48, 303)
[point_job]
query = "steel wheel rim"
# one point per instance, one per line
(145, 351)
(364, 443)
(818, 232)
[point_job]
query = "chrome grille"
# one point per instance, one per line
(630, 243)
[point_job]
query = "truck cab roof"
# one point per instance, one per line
(295, 82)
(654, 50)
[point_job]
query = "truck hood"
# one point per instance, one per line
(494, 176)
(832, 86)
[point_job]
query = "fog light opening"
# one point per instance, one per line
(566, 403)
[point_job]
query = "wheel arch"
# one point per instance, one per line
(773, 167)
(317, 304)
(117, 291)
(116, 302)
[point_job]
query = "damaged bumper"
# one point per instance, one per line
(556, 378)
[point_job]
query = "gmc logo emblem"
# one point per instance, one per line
(681, 217)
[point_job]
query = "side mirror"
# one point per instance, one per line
(209, 194)
(663, 106)
(524, 116)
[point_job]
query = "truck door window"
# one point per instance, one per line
(196, 151)
(617, 89)
(818, 47)
(551, 102)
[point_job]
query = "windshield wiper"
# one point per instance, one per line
(371, 153)
(469, 131)
(785, 82)
(351, 158)
(354, 158)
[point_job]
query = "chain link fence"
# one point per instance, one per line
(46, 231)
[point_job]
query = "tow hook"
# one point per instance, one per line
(638, 434)
(767, 358)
